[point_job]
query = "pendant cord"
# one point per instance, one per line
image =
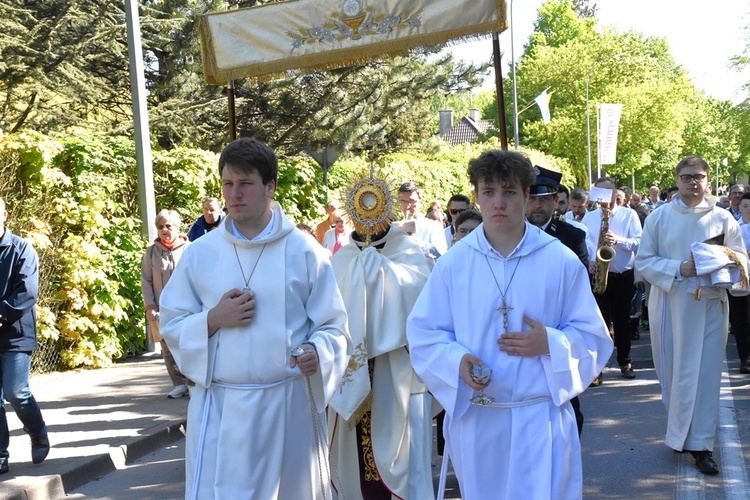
(239, 263)
(504, 308)
(502, 293)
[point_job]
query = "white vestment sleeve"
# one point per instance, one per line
(435, 354)
(580, 346)
(330, 333)
(184, 324)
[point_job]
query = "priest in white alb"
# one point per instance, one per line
(380, 418)
(500, 299)
(688, 311)
(253, 316)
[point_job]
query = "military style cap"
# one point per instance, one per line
(547, 182)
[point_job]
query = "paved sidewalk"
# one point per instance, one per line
(98, 420)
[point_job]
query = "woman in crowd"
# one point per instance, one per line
(338, 236)
(158, 263)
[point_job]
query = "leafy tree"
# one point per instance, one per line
(740, 116)
(63, 64)
(585, 8)
(65, 67)
(381, 106)
(659, 101)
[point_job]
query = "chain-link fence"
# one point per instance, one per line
(47, 358)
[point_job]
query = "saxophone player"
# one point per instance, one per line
(623, 235)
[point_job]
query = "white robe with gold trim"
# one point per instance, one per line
(379, 289)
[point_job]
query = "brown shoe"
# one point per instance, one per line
(627, 371)
(597, 381)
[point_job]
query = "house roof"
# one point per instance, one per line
(466, 130)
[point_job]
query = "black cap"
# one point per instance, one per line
(547, 182)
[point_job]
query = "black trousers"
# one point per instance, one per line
(614, 305)
(740, 324)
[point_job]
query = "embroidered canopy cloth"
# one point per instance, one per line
(322, 34)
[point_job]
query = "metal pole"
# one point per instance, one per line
(588, 130)
(598, 146)
(232, 113)
(143, 156)
(515, 91)
(716, 189)
(496, 57)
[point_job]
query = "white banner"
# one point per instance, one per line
(542, 100)
(609, 124)
(322, 34)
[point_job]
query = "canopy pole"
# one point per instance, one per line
(232, 114)
(496, 57)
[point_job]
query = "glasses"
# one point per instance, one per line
(164, 226)
(687, 178)
(456, 211)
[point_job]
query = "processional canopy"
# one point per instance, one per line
(314, 35)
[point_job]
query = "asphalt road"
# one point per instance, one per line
(623, 452)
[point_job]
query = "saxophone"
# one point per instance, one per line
(604, 255)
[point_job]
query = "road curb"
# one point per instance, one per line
(90, 468)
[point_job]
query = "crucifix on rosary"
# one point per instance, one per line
(505, 308)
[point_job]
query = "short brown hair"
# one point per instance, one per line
(509, 168)
(691, 161)
(249, 154)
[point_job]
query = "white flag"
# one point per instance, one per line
(609, 115)
(542, 100)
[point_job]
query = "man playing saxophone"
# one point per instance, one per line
(614, 230)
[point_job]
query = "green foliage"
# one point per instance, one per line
(83, 82)
(76, 201)
(664, 116)
(182, 178)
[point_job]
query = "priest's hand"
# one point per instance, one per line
(308, 362)
(234, 309)
(464, 371)
(687, 267)
(531, 343)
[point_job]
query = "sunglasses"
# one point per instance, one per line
(456, 211)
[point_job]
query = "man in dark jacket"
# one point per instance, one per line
(19, 284)
(539, 212)
(210, 220)
(541, 208)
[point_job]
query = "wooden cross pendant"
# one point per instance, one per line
(505, 309)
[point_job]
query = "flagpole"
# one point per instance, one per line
(598, 145)
(533, 102)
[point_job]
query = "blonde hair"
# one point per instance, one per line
(166, 216)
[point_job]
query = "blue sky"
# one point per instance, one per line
(702, 36)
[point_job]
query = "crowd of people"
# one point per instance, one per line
(389, 330)
(317, 356)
